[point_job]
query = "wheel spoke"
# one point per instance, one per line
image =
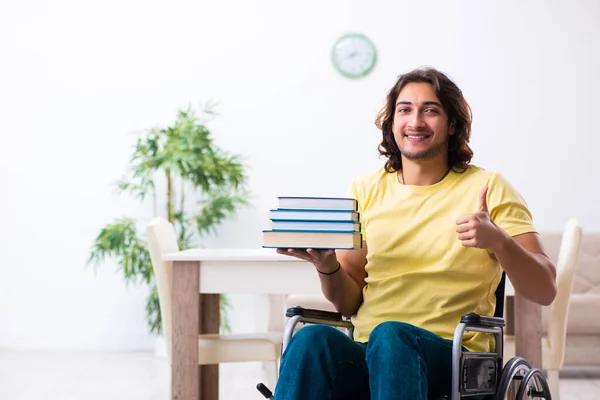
(539, 380)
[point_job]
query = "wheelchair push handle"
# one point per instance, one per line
(264, 391)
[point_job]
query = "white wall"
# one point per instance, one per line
(77, 78)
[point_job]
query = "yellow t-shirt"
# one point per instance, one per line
(418, 271)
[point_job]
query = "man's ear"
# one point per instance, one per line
(451, 128)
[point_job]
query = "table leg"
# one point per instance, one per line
(209, 322)
(186, 307)
(528, 330)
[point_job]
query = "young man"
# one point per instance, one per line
(438, 233)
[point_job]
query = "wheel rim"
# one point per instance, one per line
(516, 365)
(539, 380)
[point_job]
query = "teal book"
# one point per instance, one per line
(300, 225)
(314, 215)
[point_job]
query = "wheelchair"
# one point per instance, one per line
(476, 375)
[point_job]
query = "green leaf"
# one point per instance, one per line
(153, 315)
(215, 209)
(120, 241)
(224, 307)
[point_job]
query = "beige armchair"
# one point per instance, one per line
(212, 348)
(582, 348)
(553, 342)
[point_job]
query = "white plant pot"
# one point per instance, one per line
(160, 347)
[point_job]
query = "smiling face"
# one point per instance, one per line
(420, 124)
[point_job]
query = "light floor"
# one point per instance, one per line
(35, 375)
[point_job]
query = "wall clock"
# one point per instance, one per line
(353, 55)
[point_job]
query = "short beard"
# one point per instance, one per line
(427, 154)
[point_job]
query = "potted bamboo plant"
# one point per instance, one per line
(201, 186)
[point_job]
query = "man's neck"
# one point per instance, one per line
(422, 173)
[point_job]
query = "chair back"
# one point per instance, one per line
(499, 311)
(565, 272)
(162, 239)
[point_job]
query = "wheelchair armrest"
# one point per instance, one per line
(311, 313)
(318, 316)
(472, 319)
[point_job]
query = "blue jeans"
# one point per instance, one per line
(400, 361)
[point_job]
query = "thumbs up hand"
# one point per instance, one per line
(477, 229)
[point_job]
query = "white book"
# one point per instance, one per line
(318, 203)
(312, 240)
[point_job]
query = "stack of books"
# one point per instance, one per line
(314, 223)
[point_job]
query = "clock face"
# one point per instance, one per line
(354, 55)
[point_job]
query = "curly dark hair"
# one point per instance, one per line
(455, 106)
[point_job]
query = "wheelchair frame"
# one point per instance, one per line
(473, 373)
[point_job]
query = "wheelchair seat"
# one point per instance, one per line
(476, 375)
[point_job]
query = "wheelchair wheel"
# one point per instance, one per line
(514, 370)
(540, 382)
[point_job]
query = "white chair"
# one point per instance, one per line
(553, 344)
(212, 348)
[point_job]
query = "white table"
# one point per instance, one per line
(209, 272)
